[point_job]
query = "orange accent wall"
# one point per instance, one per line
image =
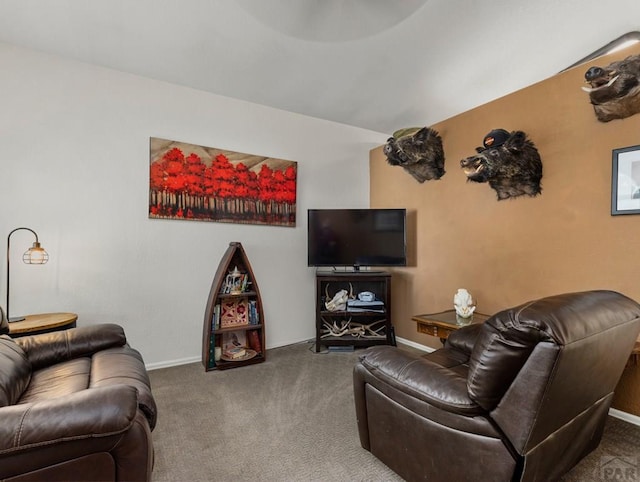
(508, 252)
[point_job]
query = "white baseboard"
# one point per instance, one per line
(415, 345)
(627, 417)
(172, 363)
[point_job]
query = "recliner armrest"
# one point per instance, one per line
(48, 348)
(96, 412)
(464, 338)
(438, 385)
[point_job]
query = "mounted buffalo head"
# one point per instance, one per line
(614, 90)
(509, 162)
(418, 151)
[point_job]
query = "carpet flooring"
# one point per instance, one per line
(292, 418)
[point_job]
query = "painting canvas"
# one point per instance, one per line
(191, 182)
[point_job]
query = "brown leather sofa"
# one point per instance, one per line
(75, 405)
(524, 396)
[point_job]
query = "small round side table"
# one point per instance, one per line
(42, 323)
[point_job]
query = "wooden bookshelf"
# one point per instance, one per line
(234, 316)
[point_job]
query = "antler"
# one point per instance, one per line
(345, 328)
(328, 296)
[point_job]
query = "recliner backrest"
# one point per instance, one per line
(546, 371)
(509, 337)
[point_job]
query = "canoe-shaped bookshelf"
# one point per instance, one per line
(233, 332)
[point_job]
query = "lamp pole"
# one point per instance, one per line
(34, 255)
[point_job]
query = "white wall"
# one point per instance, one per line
(74, 151)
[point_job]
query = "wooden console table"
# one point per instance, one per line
(635, 354)
(444, 323)
(42, 323)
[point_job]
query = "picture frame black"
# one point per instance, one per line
(625, 181)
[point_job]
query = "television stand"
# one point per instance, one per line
(358, 325)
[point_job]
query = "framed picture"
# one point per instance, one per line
(200, 183)
(625, 181)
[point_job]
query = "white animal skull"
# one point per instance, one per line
(463, 303)
(339, 301)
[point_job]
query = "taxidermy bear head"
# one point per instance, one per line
(418, 151)
(509, 162)
(615, 90)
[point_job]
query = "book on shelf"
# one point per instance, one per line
(212, 351)
(215, 320)
(361, 303)
(253, 337)
(235, 352)
(254, 317)
(356, 309)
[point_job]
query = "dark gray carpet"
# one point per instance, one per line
(291, 418)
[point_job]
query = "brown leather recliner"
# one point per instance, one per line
(75, 405)
(523, 396)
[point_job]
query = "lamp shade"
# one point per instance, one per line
(35, 255)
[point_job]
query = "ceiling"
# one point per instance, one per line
(375, 64)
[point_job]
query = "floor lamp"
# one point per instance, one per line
(34, 255)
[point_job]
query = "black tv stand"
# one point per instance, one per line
(353, 326)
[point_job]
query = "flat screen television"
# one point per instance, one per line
(357, 237)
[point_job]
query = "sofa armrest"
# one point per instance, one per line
(91, 413)
(48, 348)
(424, 379)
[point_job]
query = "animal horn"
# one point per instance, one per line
(351, 295)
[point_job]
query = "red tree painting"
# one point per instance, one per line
(187, 181)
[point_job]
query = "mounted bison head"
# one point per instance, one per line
(418, 151)
(509, 162)
(614, 90)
